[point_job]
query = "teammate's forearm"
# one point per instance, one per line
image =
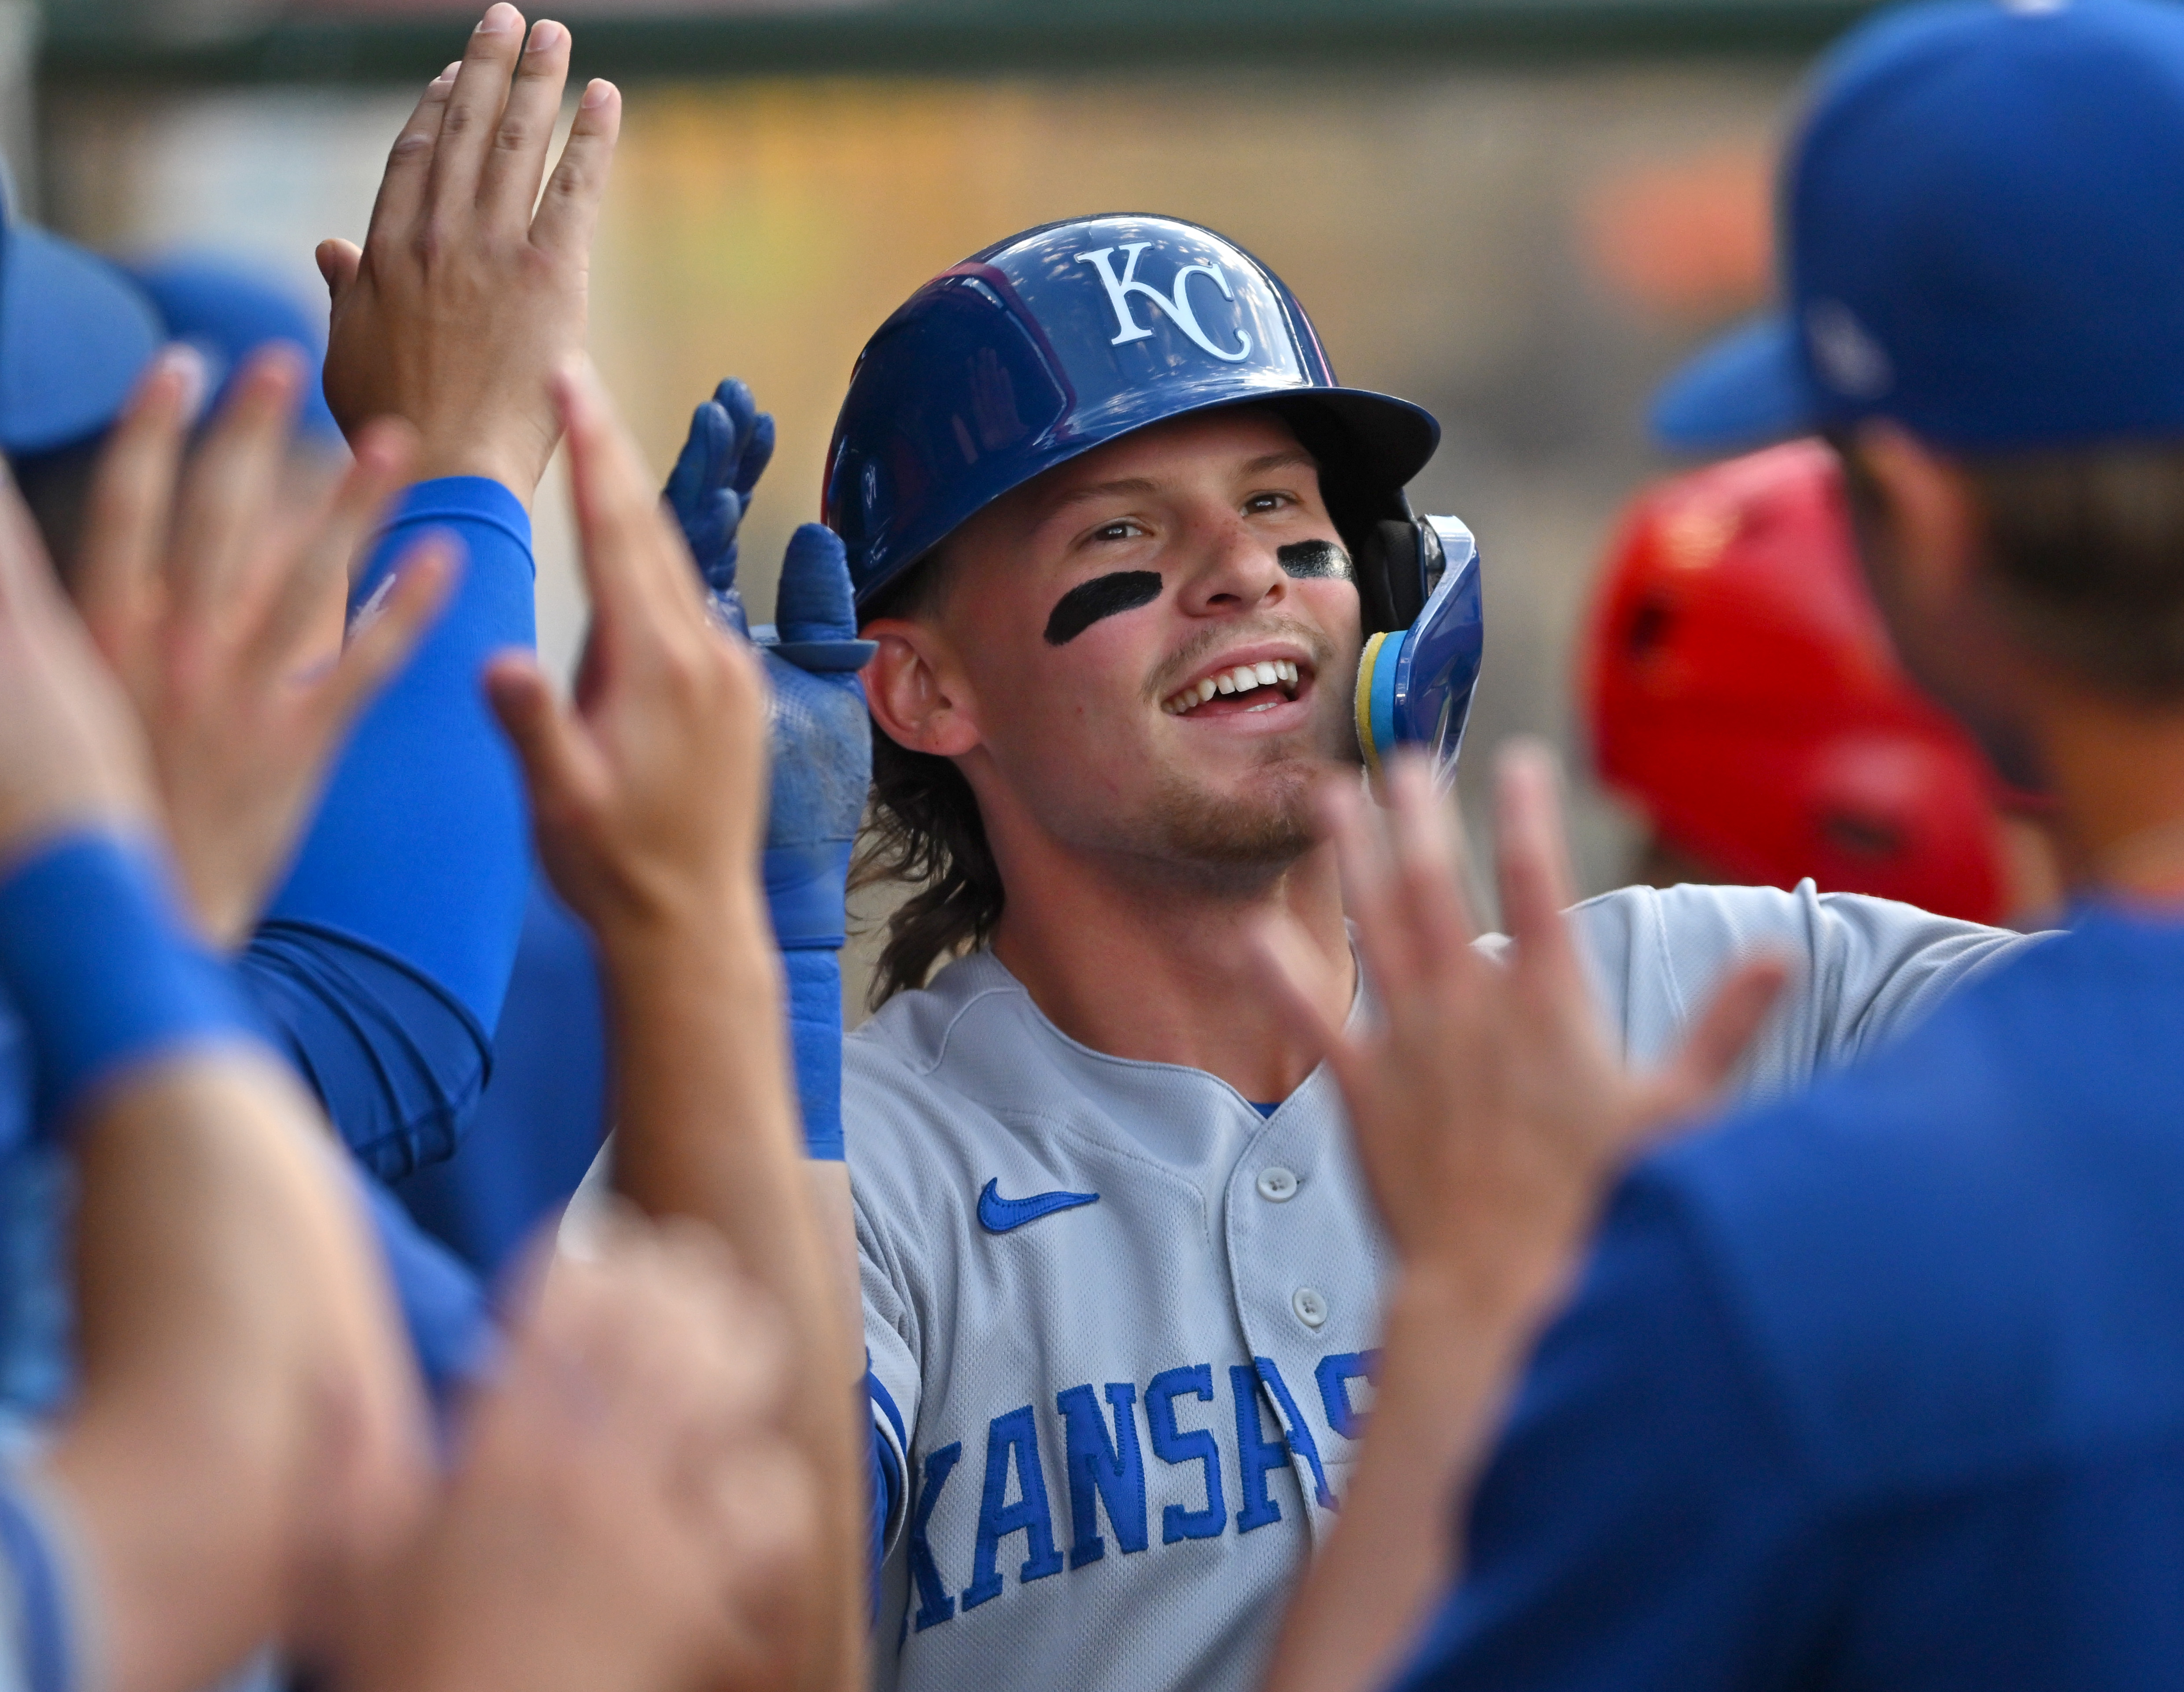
(1445, 1368)
(706, 1127)
(211, 1417)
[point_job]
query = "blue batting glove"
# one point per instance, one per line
(821, 742)
(709, 489)
(820, 735)
(822, 746)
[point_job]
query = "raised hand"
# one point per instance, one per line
(471, 290)
(709, 490)
(1491, 1111)
(1490, 1114)
(649, 794)
(221, 619)
(626, 1514)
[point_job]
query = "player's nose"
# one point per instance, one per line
(1231, 570)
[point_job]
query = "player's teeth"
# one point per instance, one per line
(1289, 672)
(1225, 682)
(1207, 689)
(1245, 677)
(1267, 674)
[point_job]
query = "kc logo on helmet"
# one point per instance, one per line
(1176, 305)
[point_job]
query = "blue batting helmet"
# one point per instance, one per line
(1064, 337)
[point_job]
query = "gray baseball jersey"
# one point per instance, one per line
(1120, 1323)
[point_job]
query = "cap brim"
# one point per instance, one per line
(1746, 389)
(76, 336)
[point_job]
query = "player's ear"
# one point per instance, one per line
(1927, 511)
(919, 696)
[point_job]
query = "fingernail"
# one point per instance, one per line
(187, 365)
(448, 75)
(546, 35)
(500, 20)
(597, 92)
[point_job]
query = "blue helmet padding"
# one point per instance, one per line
(226, 309)
(1059, 340)
(76, 334)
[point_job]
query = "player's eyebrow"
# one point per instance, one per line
(1102, 490)
(1103, 596)
(1288, 458)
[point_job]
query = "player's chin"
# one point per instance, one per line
(1263, 815)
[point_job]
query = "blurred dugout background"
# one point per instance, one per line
(1519, 214)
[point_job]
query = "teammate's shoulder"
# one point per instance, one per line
(1984, 1204)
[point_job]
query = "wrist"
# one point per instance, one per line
(1490, 1313)
(515, 458)
(102, 971)
(722, 935)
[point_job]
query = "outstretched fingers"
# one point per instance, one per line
(401, 199)
(382, 643)
(1429, 858)
(561, 768)
(1718, 1044)
(305, 577)
(570, 209)
(1532, 868)
(632, 561)
(508, 182)
(124, 532)
(229, 491)
(472, 118)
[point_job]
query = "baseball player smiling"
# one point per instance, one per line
(1121, 539)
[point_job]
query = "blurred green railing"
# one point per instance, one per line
(87, 40)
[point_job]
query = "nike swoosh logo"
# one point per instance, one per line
(997, 1215)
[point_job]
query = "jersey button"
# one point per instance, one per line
(1277, 1184)
(1310, 1305)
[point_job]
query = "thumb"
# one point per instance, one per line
(337, 264)
(814, 601)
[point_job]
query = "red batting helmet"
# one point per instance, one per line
(1743, 692)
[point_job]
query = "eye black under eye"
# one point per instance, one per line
(1308, 559)
(1103, 596)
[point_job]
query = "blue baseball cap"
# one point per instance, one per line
(1982, 235)
(226, 309)
(76, 336)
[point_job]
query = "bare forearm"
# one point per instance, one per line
(707, 1128)
(211, 1401)
(1444, 1370)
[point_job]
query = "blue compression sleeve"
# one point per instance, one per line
(540, 1124)
(98, 964)
(384, 960)
(397, 1063)
(420, 848)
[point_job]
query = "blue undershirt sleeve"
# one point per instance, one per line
(420, 847)
(383, 961)
(1643, 1524)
